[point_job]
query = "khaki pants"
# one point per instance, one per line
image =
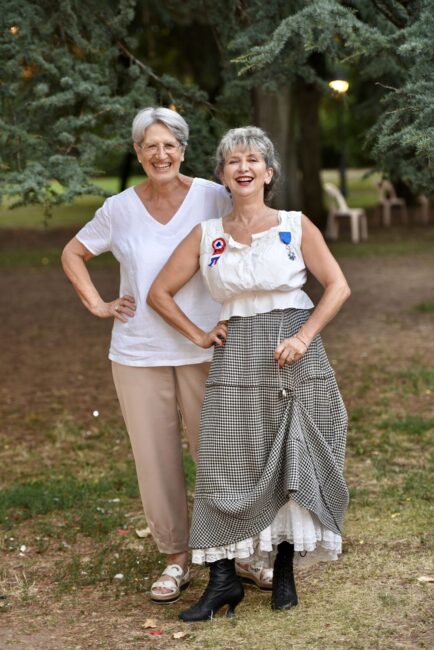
(151, 399)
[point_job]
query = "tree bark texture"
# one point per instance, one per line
(273, 112)
(308, 99)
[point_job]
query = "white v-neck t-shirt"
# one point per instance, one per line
(250, 279)
(142, 246)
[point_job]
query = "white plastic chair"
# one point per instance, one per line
(388, 199)
(339, 209)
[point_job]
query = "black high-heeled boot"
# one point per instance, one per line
(224, 588)
(284, 595)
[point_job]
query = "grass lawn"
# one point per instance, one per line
(76, 214)
(362, 193)
(362, 186)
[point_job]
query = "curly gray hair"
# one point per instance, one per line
(249, 137)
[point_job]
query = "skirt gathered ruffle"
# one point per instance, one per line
(294, 524)
(272, 445)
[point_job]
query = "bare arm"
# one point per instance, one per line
(327, 271)
(74, 258)
(179, 269)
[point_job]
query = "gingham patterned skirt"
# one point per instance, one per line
(267, 434)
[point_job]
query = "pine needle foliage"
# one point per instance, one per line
(387, 41)
(70, 85)
(404, 135)
(59, 95)
(71, 80)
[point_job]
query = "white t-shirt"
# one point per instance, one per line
(255, 279)
(142, 246)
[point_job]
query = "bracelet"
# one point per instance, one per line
(297, 336)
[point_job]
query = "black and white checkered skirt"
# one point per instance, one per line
(267, 434)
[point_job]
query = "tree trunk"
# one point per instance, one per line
(308, 98)
(274, 113)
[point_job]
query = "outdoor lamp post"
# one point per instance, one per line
(340, 88)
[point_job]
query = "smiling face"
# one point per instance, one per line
(160, 153)
(245, 172)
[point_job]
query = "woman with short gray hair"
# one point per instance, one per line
(250, 137)
(157, 372)
(270, 479)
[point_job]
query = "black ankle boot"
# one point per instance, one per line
(224, 588)
(284, 595)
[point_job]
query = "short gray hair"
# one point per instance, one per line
(249, 137)
(166, 116)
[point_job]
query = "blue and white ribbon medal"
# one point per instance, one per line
(218, 246)
(285, 238)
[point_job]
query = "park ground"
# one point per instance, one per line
(69, 505)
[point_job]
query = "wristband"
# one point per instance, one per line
(297, 336)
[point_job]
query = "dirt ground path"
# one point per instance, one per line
(53, 362)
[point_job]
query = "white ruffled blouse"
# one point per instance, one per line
(257, 278)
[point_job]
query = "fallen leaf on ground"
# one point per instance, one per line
(179, 635)
(143, 532)
(156, 632)
(425, 579)
(150, 622)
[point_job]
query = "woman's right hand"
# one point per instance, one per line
(217, 336)
(122, 308)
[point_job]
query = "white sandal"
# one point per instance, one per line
(179, 582)
(255, 574)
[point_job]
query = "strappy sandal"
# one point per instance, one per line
(179, 582)
(256, 575)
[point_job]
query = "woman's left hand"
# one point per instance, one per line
(289, 351)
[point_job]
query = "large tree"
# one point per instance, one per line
(70, 83)
(284, 103)
(73, 74)
(388, 42)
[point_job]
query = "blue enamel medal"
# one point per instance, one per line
(286, 237)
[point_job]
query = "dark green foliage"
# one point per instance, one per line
(404, 134)
(74, 73)
(387, 41)
(65, 93)
(70, 86)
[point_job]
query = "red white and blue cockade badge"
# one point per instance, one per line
(218, 247)
(285, 238)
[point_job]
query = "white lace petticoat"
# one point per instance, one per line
(292, 523)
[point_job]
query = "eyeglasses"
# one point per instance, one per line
(151, 149)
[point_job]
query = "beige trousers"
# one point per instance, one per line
(152, 400)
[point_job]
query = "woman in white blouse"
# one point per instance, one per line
(270, 470)
(157, 372)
